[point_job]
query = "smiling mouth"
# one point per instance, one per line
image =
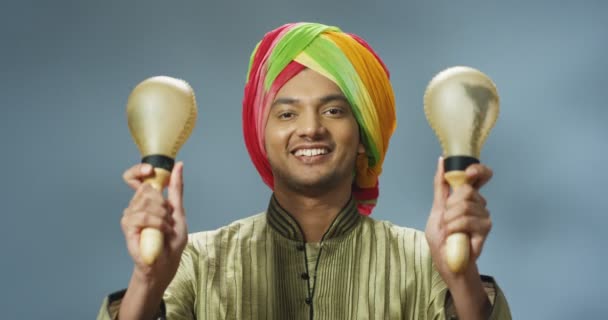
(312, 155)
(310, 152)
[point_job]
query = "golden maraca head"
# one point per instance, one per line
(161, 113)
(461, 105)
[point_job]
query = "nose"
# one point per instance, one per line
(310, 125)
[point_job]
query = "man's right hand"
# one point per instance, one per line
(149, 209)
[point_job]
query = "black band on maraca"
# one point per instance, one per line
(458, 163)
(159, 161)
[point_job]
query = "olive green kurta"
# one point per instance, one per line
(261, 268)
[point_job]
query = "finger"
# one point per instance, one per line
(465, 193)
(136, 174)
(145, 198)
(469, 224)
(478, 175)
(137, 221)
(465, 209)
(137, 196)
(477, 242)
(170, 220)
(176, 189)
(169, 213)
(156, 211)
(441, 187)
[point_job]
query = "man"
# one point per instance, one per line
(318, 114)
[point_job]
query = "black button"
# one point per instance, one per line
(300, 247)
(308, 300)
(305, 276)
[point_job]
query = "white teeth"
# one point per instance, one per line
(310, 152)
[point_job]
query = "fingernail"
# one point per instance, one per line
(145, 168)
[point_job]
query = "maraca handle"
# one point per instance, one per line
(150, 244)
(457, 245)
(457, 251)
(151, 240)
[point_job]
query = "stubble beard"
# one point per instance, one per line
(321, 185)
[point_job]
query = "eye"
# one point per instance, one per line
(334, 111)
(286, 115)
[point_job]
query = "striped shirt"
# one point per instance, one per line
(260, 267)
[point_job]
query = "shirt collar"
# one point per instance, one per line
(286, 225)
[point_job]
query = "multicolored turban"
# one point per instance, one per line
(352, 65)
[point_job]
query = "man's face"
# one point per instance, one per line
(312, 137)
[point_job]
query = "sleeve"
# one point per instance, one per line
(440, 304)
(178, 299)
(500, 307)
(111, 305)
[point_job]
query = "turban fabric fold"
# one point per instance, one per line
(352, 65)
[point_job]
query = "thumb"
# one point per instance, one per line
(441, 187)
(176, 188)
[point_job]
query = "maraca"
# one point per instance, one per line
(161, 113)
(461, 105)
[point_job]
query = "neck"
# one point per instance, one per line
(314, 213)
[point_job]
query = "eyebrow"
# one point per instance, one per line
(322, 100)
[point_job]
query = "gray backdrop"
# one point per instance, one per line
(67, 68)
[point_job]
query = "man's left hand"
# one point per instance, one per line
(464, 210)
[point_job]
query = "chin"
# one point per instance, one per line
(318, 184)
(318, 180)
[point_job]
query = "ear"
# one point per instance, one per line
(361, 148)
